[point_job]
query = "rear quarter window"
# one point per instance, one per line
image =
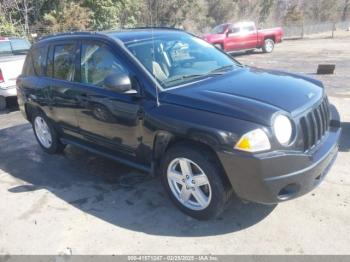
(35, 62)
(39, 56)
(28, 68)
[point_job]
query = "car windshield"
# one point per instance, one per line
(178, 59)
(220, 29)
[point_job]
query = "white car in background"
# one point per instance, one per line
(12, 55)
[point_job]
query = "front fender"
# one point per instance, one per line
(217, 131)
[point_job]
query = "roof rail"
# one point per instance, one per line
(68, 33)
(153, 27)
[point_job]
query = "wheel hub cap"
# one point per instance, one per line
(189, 184)
(42, 132)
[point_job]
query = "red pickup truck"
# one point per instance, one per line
(244, 36)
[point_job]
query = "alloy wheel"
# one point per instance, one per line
(189, 184)
(42, 131)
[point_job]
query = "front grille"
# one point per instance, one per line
(315, 124)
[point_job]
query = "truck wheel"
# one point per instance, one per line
(192, 178)
(2, 103)
(269, 45)
(46, 134)
(219, 46)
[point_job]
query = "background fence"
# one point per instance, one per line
(310, 29)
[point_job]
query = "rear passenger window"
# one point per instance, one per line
(98, 62)
(64, 62)
(39, 60)
(248, 29)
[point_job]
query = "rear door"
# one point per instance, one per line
(241, 37)
(61, 70)
(249, 37)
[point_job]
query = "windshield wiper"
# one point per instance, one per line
(221, 69)
(184, 77)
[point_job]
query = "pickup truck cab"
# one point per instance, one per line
(171, 104)
(244, 36)
(12, 54)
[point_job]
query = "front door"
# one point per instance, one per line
(106, 117)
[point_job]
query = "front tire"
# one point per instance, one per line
(45, 134)
(193, 180)
(269, 45)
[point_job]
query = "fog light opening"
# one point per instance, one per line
(288, 191)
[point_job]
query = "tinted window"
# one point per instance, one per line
(248, 28)
(28, 69)
(39, 60)
(63, 64)
(5, 48)
(20, 45)
(97, 62)
(234, 30)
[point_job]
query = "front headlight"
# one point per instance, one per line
(254, 141)
(283, 129)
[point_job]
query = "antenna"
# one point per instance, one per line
(154, 58)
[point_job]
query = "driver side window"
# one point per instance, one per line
(234, 30)
(98, 62)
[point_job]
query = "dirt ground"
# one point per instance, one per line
(79, 203)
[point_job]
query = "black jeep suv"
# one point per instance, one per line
(167, 102)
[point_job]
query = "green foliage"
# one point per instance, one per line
(6, 28)
(69, 17)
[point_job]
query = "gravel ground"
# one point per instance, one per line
(79, 203)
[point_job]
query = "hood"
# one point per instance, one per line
(249, 93)
(211, 38)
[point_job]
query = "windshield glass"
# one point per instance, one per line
(20, 45)
(174, 60)
(5, 48)
(220, 29)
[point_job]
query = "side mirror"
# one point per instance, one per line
(119, 82)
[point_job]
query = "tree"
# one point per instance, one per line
(6, 28)
(105, 13)
(69, 17)
(345, 10)
(265, 10)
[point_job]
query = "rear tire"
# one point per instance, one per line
(200, 192)
(269, 45)
(2, 103)
(45, 133)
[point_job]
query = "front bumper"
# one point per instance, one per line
(8, 91)
(278, 176)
